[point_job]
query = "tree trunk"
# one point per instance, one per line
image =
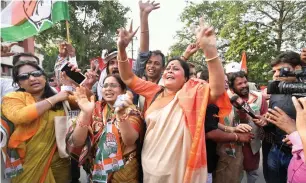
(280, 28)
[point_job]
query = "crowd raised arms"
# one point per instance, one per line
(158, 121)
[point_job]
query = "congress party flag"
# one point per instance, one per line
(26, 18)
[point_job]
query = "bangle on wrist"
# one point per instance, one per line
(210, 59)
(49, 101)
(119, 60)
(225, 129)
(144, 31)
(184, 58)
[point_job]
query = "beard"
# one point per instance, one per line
(115, 71)
(243, 92)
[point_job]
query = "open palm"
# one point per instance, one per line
(148, 6)
(125, 37)
(82, 100)
(205, 36)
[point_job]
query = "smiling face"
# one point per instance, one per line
(111, 89)
(241, 86)
(154, 67)
(113, 66)
(34, 84)
(174, 76)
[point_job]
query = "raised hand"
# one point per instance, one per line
(85, 105)
(66, 49)
(205, 36)
(91, 76)
(125, 37)
(190, 50)
(148, 6)
(66, 81)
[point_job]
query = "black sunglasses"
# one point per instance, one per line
(25, 76)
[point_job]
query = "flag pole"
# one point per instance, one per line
(67, 30)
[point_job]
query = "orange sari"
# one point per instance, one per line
(174, 145)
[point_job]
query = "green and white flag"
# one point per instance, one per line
(26, 18)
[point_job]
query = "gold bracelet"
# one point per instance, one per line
(144, 31)
(208, 60)
(48, 100)
(123, 60)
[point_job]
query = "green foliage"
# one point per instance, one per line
(261, 28)
(93, 26)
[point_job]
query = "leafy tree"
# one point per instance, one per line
(93, 26)
(263, 29)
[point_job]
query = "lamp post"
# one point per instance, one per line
(132, 49)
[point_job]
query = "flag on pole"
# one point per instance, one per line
(24, 19)
(243, 64)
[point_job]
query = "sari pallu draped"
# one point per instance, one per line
(174, 144)
(95, 142)
(34, 139)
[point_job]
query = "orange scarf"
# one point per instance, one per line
(193, 98)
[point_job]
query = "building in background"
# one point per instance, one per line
(27, 45)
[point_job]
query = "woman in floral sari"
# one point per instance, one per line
(106, 139)
(174, 143)
(32, 110)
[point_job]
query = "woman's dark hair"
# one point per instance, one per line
(184, 65)
(17, 57)
(49, 92)
(232, 77)
(117, 77)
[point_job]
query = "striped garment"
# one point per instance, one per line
(13, 164)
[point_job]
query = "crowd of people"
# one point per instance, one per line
(158, 121)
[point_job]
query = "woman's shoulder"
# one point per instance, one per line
(18, 95)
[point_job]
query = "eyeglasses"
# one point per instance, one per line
(25, 76)
(112, 85)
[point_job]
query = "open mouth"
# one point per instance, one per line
(170, 77)
(151, 71)
(109, 95)
(35, 84)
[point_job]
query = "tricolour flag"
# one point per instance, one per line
(24, 19)
(243, 63)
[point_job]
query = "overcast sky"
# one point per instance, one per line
(163, 22)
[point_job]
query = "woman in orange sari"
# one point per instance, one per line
(174, 143)
(32, 110)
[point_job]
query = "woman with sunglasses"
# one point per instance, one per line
(106, 137)
(32, 109)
